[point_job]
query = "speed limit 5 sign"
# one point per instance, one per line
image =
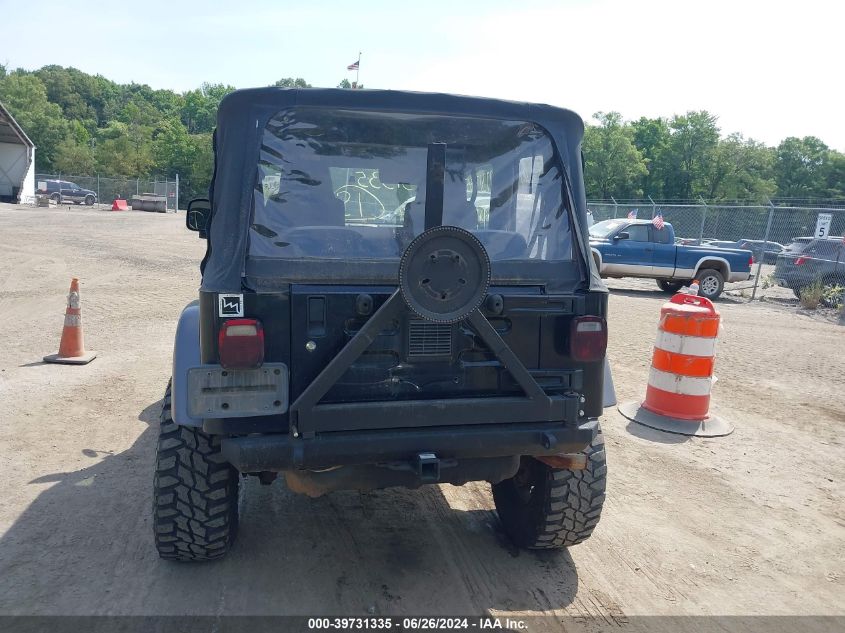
(823, 224)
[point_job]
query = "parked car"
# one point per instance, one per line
(65, 191)
(822, 260)
(722, 244)
(797, 245)
(349, 355)
(636, 248)
(768, 251)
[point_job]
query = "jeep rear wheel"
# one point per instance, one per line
(710, 283)
(195, 493)
(542, 507)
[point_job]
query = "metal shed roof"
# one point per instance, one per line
(10, 131)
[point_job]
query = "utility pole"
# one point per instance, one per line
(358, 70)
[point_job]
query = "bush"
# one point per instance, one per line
(769, 281)
(832, 296)
(811, 296)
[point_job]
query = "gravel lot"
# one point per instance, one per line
(753, 523)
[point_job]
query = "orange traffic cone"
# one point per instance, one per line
(71, 348)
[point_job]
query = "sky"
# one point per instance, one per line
(768, 70)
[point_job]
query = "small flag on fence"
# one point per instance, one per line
(354, 66)
(632, 214)
(657, 221)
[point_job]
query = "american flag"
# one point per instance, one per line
(632, 214)
(657, 221)
(353, 66)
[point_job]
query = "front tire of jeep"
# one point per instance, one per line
(195, 493)
(542, 507)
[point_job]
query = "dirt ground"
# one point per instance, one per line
(749, 524)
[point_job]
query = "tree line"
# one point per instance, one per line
(685, 157)
(86, 124)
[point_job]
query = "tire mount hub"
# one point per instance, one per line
(444, 274)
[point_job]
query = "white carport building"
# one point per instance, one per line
(17, 161)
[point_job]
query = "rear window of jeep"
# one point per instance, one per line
(351, 185)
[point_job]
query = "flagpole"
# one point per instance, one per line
(358, 70)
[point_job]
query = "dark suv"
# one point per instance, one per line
(346, 346)
(822, 260)
(64, 191)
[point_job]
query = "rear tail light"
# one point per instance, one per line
(588, 338)
(241, 344)
(801, 260)
(750, 261)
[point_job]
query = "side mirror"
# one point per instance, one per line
(198, 215)
(623, 235)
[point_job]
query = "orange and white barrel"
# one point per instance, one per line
(681, 375)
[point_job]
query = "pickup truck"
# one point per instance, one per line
(637, 248)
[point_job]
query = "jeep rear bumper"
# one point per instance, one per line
(276, 453)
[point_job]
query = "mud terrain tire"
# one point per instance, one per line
(542, 507)
(195, 493)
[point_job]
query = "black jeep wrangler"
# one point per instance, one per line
(397, 291)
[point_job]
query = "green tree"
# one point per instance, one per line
(290, 82)
(693, 139)
(202, 165)
(199, 112)
(75, 153)
(651, 137)
(801, 167)
(835, 178)
(613, 164)
(72, 90)
(124, 150)
(345, 83)
(26, 98)
(74, 159)
(740, 169)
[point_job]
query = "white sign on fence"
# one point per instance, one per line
(823, 224)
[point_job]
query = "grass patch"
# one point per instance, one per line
(811, 296)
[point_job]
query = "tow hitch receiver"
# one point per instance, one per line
(428, 467)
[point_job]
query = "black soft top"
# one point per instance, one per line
(243, 115)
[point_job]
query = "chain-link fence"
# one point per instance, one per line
(109, 189)
(768, 231)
